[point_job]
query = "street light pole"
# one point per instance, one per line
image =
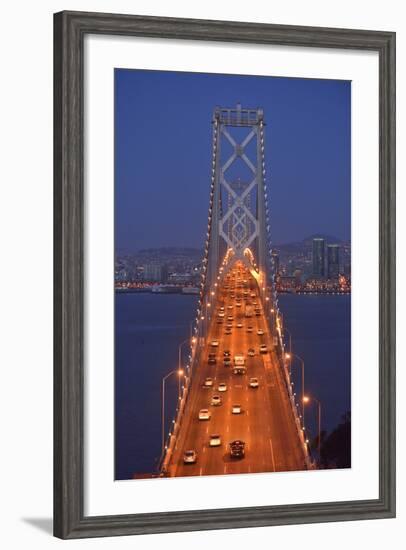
(180, 372)
(273, 320)
(302, 364)
(180, 362)
(306, 400)
(290, 351)
(319, 427)
(290, 339)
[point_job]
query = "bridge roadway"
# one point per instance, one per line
(267, 422)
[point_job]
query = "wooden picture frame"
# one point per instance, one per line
(70, 29)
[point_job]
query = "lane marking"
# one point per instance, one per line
(273, 458)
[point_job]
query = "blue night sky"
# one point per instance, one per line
(163, 152)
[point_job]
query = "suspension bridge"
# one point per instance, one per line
(237, 411)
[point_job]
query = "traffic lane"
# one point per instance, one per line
(189, 429)
(288, 450)
(260, 457)
(282, 432)
(222, 422)
(286, 443)
(195, 436)
(248, 426)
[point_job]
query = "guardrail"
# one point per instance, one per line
(171, 440)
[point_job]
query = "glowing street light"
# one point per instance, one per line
(180, 373)
(307, 399)
(302, 364)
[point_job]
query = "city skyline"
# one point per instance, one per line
(167, 118)
(317, 265)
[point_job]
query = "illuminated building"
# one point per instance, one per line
(333, 261)
(318, 258)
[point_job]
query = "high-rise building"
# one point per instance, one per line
(333, 261)
(298, 276)
(319, 270)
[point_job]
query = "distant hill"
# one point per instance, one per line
(189, 252)
(328, 238)
(170, 251)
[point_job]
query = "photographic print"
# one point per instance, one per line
(232, 274)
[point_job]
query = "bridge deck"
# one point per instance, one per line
(266, 424)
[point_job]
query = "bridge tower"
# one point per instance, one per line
(238, 229)
(238, 212)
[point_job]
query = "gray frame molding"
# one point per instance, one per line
(69, 30)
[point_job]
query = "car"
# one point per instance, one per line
(221, 314)
(253, 383)
(239, 369)
(222, 387)
(229, 325)
(214, 343)
(249, 329)
(260, 332)
(237, 449)
(222, 308)
(230, 307)
(251, 352)
(230, 318)
(252, 295)
(204, 414)
(212, 359)
(236, 409)
(208, 382)
(227, 331)
(227, 353)
(215, 440)
(190, 457)
(239, 325)
(263, 348)
(238, 304)
(227, 361)
(219, 321)
(216, 400)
